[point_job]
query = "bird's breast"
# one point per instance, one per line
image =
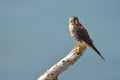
(72, 29)
(73, 32)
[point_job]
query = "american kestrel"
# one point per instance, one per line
(80, 34)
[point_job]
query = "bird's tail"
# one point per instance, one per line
(94, 48)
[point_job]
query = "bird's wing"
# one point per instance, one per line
(84, 31)
(83, 35)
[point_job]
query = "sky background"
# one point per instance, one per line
(34, 36)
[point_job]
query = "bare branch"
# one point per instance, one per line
(63, 64)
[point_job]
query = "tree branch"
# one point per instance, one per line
(63, 64)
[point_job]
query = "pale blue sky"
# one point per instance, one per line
(34, 35)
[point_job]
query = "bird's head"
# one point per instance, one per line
(73, 20)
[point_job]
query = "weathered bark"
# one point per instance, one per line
(70, 59)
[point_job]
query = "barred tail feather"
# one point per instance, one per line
(95, 49)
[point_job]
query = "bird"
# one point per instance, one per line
(80, 34)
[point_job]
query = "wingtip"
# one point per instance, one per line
(103, 58)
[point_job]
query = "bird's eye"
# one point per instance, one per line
(71, 21)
